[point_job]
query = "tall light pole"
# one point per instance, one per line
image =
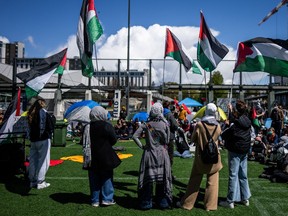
(128, 61)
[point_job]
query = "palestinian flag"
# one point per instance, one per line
(61, 67)
(174, 49)
(37, 77)
(263, 54)
(12, 115)
(195, 68)
(254, 118)
(209, 51)
(89, 31)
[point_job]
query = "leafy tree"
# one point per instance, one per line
(217, 79)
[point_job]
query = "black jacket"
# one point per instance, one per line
(238, 136)
(103, 137)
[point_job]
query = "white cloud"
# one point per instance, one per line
(4, 39)
(30, 39)
(149, 43)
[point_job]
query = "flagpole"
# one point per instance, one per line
(230, 97)
(205, 85)
(96, 60)
(163, 81)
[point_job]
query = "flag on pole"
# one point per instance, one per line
(195, 68)
(60, 69)
(263, 54)
(255, 120)
(89, 31)
(174, 49)
(209, 51)
(12, 115)
(273, 11)
(37, 77)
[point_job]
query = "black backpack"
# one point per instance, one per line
(209, 155)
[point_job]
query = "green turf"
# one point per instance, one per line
(69, 190)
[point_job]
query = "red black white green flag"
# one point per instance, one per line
(36, 78)
(12, 115)
(263, 54)
(210, 51)
(89, 31)
(174, 49)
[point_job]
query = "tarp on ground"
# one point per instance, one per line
(189, 102)
(141, 116)
(80, 111)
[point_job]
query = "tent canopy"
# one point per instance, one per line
(189, 102)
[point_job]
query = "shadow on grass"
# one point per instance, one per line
(16, 184)
(76, 197)
(132, 173)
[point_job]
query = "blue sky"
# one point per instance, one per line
(47, 26)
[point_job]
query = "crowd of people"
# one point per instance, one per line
(240, 134)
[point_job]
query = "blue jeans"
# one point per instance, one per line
(146, 193)
(238, 186)
(101, 186)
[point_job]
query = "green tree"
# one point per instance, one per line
(217, 79)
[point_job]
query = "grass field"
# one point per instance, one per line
(69, 190)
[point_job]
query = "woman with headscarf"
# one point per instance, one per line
(155, 164)
(99, 157)
(199, 137)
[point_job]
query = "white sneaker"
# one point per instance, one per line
(108, 203)
(43, 185)
(226, 204)
(95, 204)
(245, 202)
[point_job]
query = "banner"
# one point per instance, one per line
(117, 104)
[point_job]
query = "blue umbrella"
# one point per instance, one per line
(141, 116)
(79, 111)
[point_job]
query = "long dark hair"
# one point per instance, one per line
(33, 112)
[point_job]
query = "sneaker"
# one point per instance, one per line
(33, 185)
(95, 204)
(226, 204)
(245, 202)
(178, 204)
(108, 203)
(43, 185)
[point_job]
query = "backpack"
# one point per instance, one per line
(209, 154)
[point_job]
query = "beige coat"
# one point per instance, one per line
(199, 138)
(199, 169)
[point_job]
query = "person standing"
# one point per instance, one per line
(99, 157)
(237, 139)
(276, 119)
(123, 113)
(155, 165)
(199, 137)
(41, 127)
(173, 126)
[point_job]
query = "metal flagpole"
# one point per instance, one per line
(128, 61)
(205, 85)
(163, 81)
(230, 96)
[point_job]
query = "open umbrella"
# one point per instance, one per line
(79, 111)
(200, 113)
